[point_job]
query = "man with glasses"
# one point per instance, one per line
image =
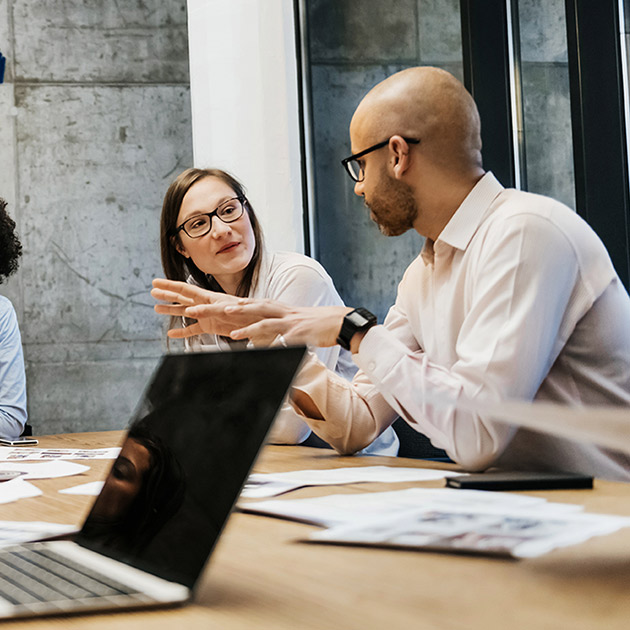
(512, 297)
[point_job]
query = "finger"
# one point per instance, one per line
(170, 309)
(171, 296)
(194, 293)
(168, 285)
(188, 331)
(205, 311)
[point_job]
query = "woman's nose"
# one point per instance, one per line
(219, 228)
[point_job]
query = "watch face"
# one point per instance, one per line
(357, 319)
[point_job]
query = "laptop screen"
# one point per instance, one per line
(188, 451)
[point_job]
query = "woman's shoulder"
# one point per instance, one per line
(295, 278)
(285, 262)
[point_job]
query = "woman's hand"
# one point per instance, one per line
(181, 296)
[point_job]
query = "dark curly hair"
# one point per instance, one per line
(10, 246)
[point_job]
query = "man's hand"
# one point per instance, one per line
(313, 325)
(260, 321)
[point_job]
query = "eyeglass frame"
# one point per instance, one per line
(211, 215)
(379, 145)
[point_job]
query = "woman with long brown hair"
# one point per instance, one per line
(210, 236)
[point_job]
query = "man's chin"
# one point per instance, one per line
(386, 230)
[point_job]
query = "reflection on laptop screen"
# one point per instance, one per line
(186, 457)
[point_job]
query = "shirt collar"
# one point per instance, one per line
(468, 217)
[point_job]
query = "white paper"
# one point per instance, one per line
(92, 489)
(16, 489)
(337, 509)
(21, 453)
(272, 484)
(45, 470)
(14, 532)
(515, 533)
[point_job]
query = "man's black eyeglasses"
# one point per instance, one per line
(199, 225)
(354, 168)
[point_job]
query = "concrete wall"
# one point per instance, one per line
(94, 124)
(546, 104)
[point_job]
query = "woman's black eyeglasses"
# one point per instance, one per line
(199, 225)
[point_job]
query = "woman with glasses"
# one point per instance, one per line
(210, 237)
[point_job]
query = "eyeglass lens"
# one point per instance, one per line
(354, 169)
(228, 212)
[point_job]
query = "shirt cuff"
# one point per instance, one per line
(376, 362)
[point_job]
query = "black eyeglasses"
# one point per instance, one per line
(199, 225)
(354, 168)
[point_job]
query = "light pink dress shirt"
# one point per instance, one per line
(516, 299)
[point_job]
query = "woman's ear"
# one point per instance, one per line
(180, 248)
(399, 153)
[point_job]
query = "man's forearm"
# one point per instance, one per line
(348, 416)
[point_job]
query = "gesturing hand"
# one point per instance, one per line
(312, 325)
(181, 295)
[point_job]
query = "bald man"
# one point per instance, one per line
(512, 297)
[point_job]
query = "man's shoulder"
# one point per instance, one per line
(526, 210)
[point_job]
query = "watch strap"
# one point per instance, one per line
(358, 320)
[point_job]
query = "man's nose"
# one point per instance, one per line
(358, 188)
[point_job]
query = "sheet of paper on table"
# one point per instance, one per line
(44, 470)
(91, 489)
(340, 509)
(517, 532)
(16, 489)
(15, 532)
(21, 453)
(261, 485)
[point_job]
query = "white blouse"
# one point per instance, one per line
(301, 281)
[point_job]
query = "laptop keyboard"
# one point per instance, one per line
(33, 574)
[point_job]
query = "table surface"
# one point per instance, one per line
(261, 576)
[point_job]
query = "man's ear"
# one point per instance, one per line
(400, 155)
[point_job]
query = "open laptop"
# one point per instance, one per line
(186, 456)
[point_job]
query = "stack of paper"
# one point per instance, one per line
(462, 521)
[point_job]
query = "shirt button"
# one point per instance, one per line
(372, 365)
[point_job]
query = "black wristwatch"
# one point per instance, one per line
(355, 321)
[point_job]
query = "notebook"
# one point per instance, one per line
(187, 453)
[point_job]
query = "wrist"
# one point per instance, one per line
(354, 326)
(356, 340)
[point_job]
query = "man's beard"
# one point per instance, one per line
(393, 207)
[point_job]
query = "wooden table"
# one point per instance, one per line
(260, 577)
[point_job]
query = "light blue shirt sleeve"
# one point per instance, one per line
(12, 377)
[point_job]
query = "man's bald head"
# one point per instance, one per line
(425, 103)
